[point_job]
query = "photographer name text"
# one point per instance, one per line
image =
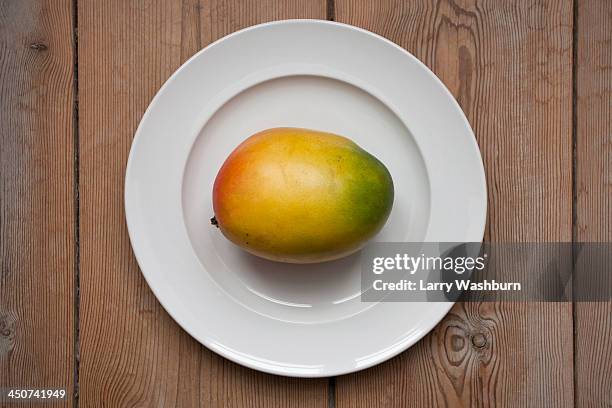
(422, 285)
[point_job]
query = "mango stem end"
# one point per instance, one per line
(214, 222)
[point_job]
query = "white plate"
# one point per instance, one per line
(296, 320)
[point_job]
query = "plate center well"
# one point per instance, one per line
(312, 293)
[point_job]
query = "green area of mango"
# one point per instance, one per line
(301, 196)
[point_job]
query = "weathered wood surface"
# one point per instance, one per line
(593, 320)
(37, 211)
(509, 65)
(132, 352)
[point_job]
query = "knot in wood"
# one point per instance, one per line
(479, 340)
(38, 46)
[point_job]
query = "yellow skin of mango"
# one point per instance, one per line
(301, 196)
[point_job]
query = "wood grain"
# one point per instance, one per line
(132, 352)
(593, 320)
(509, 65)
(37, 216)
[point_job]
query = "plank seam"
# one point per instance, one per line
(77, 232)
(331, 11)
(574, 186)
(331, 393)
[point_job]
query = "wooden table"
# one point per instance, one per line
(535, 80)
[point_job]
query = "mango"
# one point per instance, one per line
(301, 196)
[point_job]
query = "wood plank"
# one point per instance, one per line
(37, 213)
(593, 320)
(132, 352)
(508, 63)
